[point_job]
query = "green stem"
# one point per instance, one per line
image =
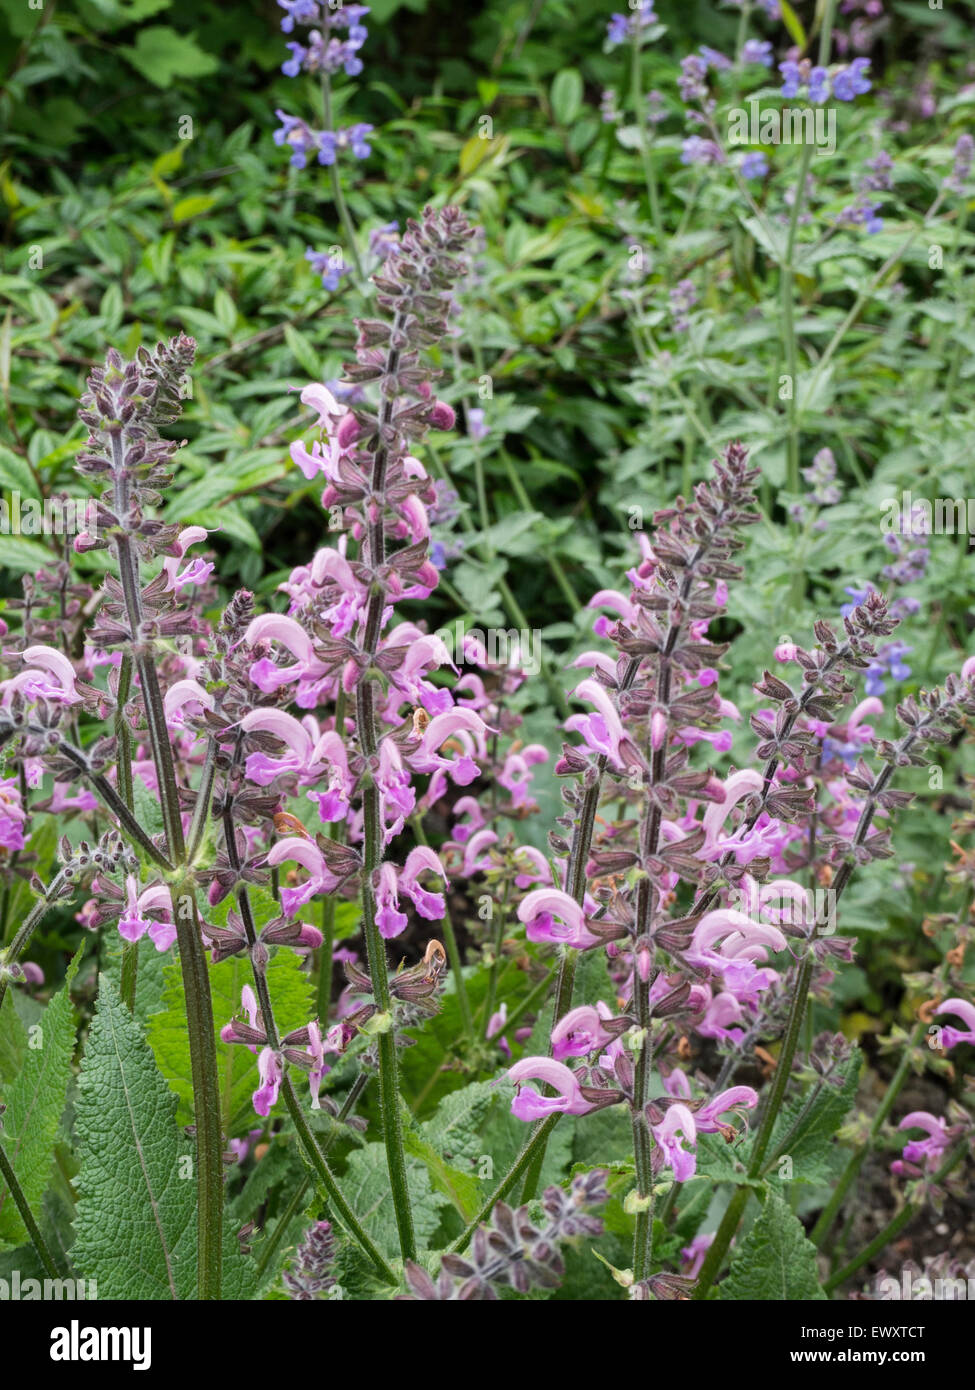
(192, 958)
(29, 925)
(787, 286)
(277, 1235)
(640, 116)
(26, 1215)
(337, 194)
(537, 1142)
(895, 1225)
(856, 1161)
(866, 292)
(331, 1188)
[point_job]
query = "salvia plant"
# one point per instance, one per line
(360, 1020)
(247, 782)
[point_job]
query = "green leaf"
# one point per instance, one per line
(136, 1218)
(15, 472)
(450, 1144)
(566, 96)
(193, 207)
(13, 1043)
(792, 22)
(291, 995)
(18, 553)
(775, 1262)
(161, 55)
(365, 1185)
(808, 1131)
(35, 1103)
(302, 351)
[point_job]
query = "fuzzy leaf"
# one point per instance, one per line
(136, 1221)
(35, 1102)
(775, 1262)
(365, 1185)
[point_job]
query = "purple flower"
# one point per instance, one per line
(851, 82)
(325, 265)
(298, 12)
(677, 1124)
(697, 150)
(529, 1105)
(754, 165)
(857, 596)
(964, 154)
(791, 78)
(551, 915)
(757, 51)
(961, 1008)
(926, 1152)
(622, 28)
(384, 240)
(476, 427)
(581, 1032)
(714, 59)
(692, 83)
(889, 664)
(818, 85)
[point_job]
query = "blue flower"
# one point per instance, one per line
(890, 664)
(851, 82)
(327, 267)
(790, 79)
(858, 596)
(757, 51)
(818, 86)
(754, 166)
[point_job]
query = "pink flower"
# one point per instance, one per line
(389, 918)
(470, 807)
(744, 942)
(603, 731)
(551, 915)
(320, 880)
(329, 757)
(278, 627)
(693, 1255)
(12, 816)
(621, 606)
(706, 1118)
(261, 768)
(270, 1068)
(677, 1121)
(462, 770)
(529, 1105)
(396, 797)
(495, 1025)
(581, 1032)
(133, 923)
(197, 571)
(926, 1152)
(48, 676)
(181, 694)
(961, 1008)
(428, 905)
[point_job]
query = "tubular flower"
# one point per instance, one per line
(529, 1105)
(961, 1008)
(551, 915)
